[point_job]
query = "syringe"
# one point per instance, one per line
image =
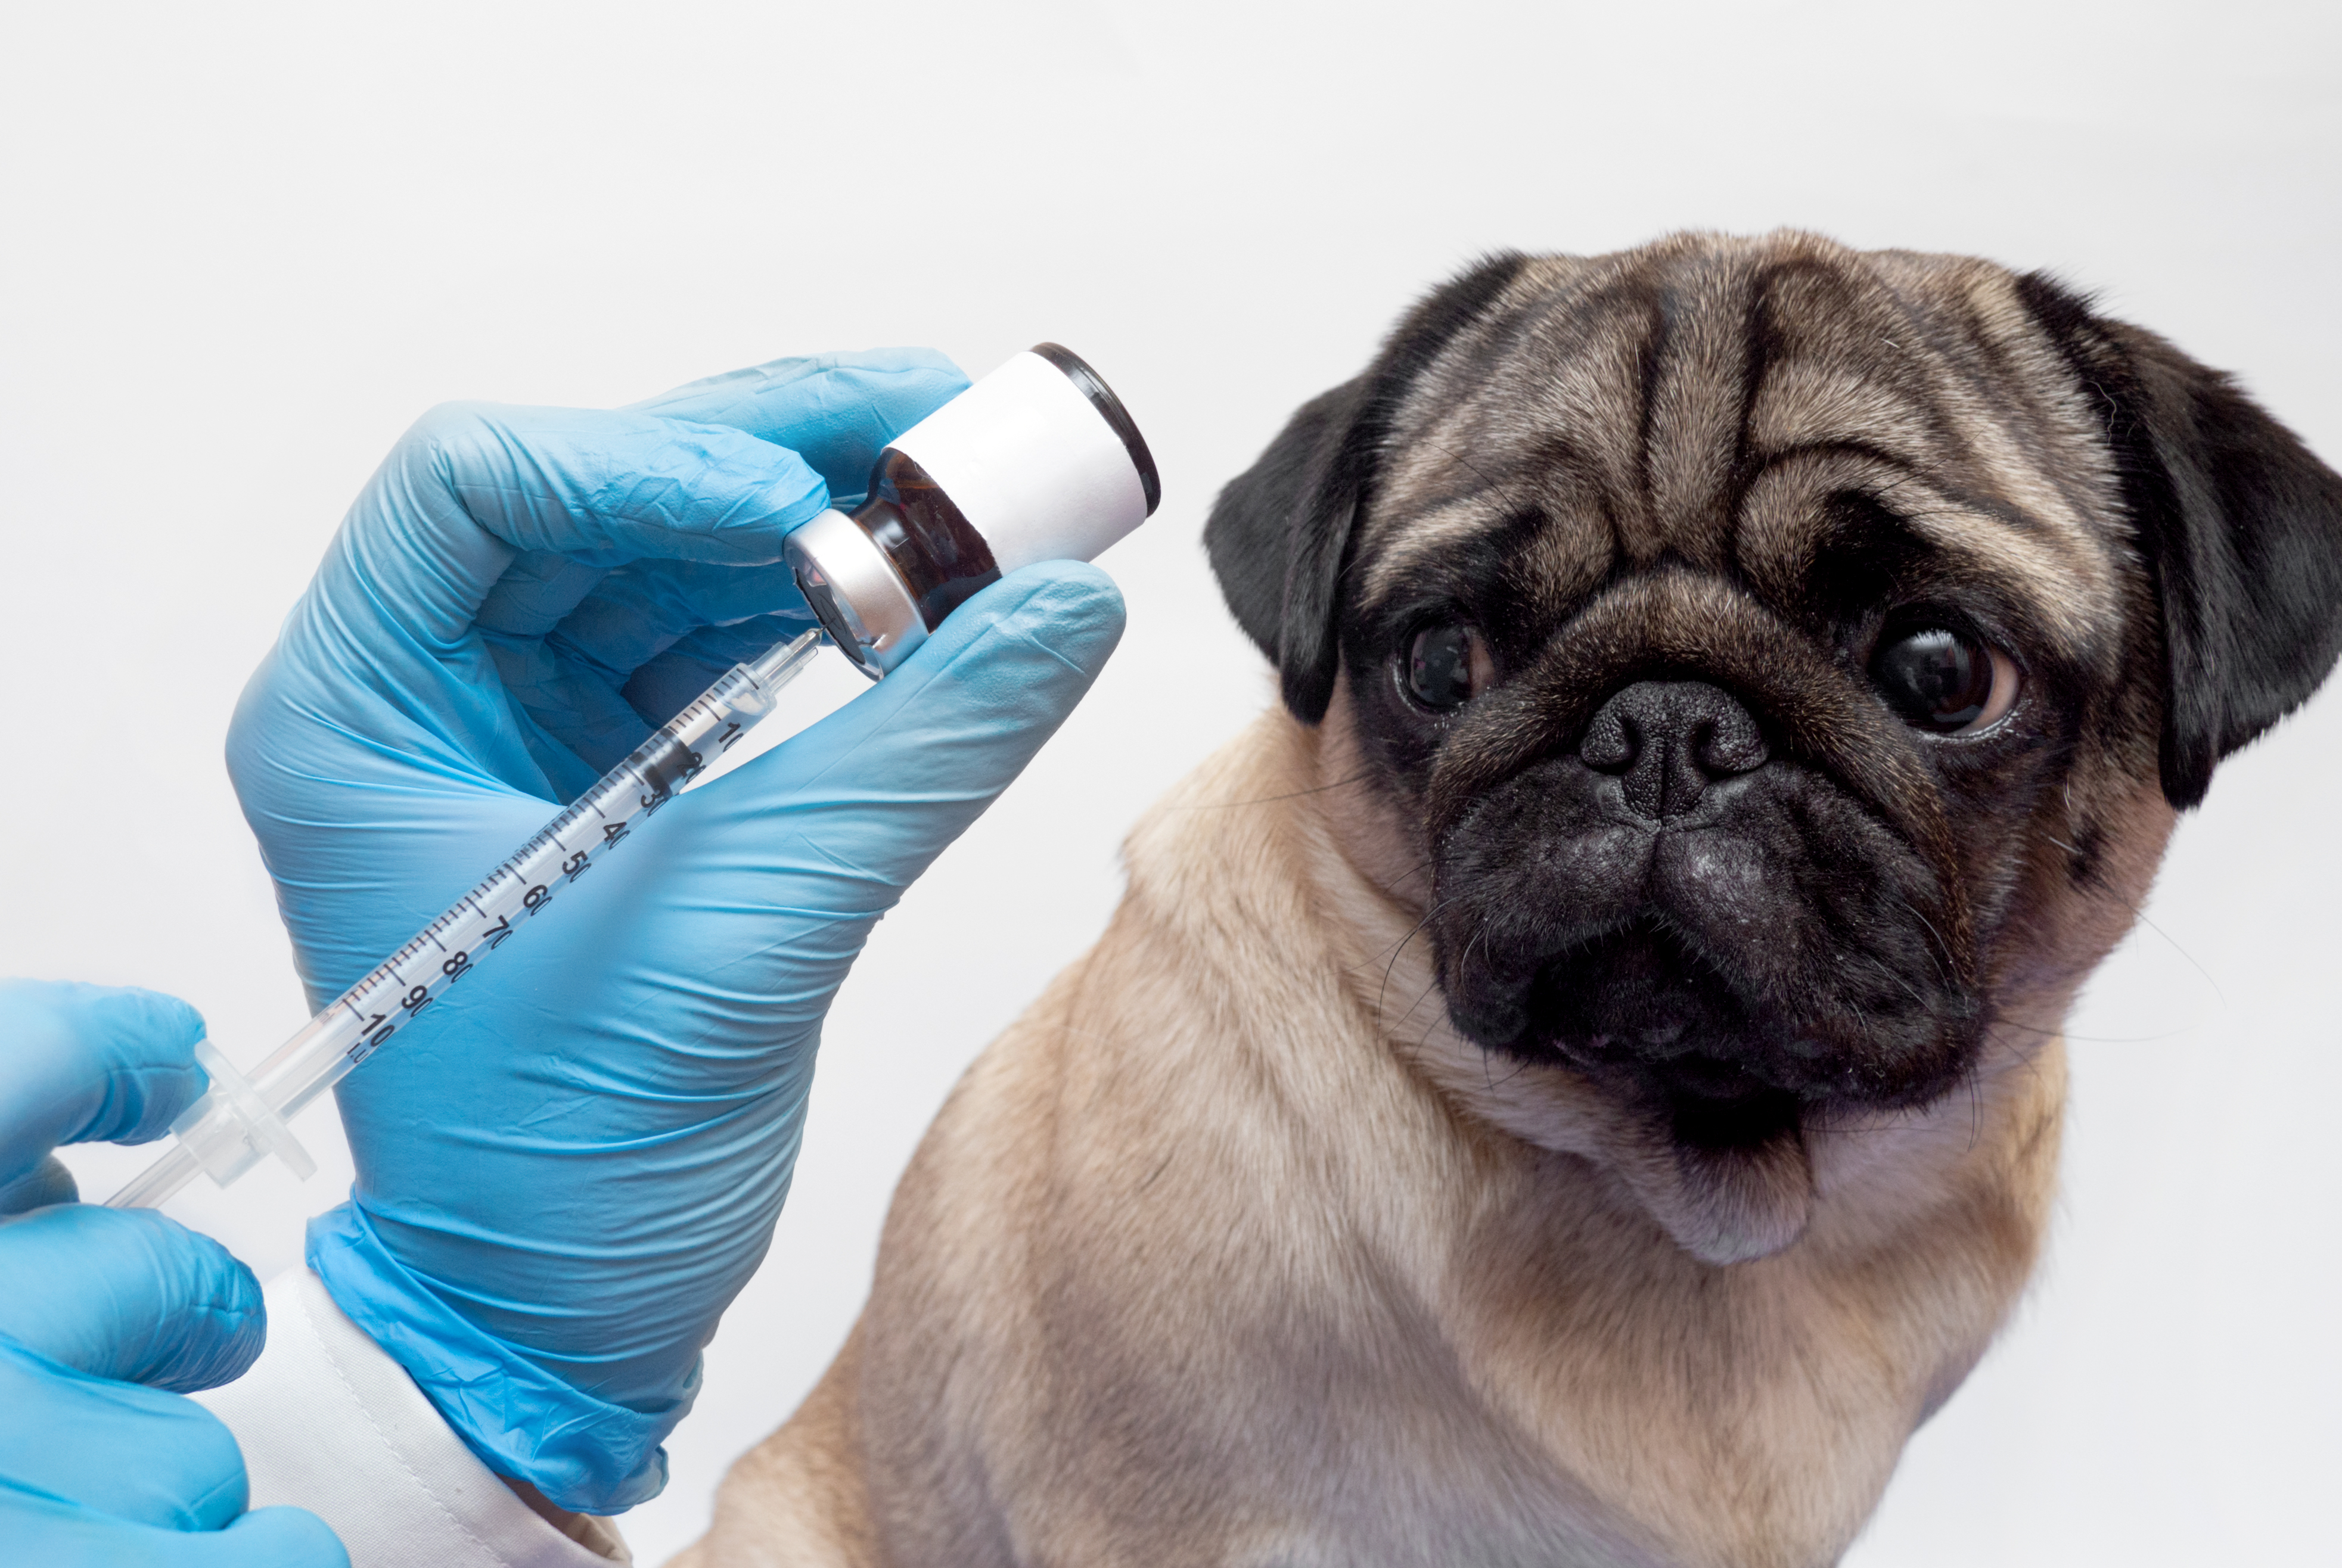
(239, 1119)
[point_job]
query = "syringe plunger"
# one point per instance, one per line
(222, 1134)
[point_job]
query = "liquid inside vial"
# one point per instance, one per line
(943, 560)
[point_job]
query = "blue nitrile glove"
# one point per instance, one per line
(108, 1318)
(569, 1165)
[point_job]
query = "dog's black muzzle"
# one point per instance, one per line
(1672, 907)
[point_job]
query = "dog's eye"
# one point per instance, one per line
(1944, 681)
(1448, 666)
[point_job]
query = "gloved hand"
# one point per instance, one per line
(107, 1318)
(569, 1165)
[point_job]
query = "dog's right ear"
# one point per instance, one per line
(1279, 535)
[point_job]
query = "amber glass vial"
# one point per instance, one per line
(1039, 461)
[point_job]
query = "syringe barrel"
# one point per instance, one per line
(236, 1122)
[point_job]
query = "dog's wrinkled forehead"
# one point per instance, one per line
(1703, 401)
(1815, 433)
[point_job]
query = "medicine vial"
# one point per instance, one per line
(1038, 461)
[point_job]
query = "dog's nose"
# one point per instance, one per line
(1669, 741)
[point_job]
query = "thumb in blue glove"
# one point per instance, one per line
(106, 1317)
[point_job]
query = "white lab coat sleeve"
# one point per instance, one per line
(327, 1420)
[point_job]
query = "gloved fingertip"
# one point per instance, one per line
(1073, 608)
(130, 1295)
(902, 357)
(91, 1062)
(283, 1536)
(154, 1076)
(921, 376)
(1077, 592)
(45, 1183)
(161, 1021)
(221, 1312)
(836, 411)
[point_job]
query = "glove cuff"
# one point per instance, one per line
(585, 1454)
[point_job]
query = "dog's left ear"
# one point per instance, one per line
(2240, 524)
(1279, 535)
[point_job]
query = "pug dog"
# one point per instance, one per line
(1579, 1082)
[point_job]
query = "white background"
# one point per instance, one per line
(240, 246)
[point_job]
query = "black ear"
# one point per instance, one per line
(1279, 535)
(2240, 522)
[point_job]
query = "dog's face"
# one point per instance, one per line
(1766, 647)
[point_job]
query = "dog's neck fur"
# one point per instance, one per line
(1546, 1256)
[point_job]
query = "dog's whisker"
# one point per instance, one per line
(2058, 1030)
(1358, 777)
(2142, 917)
(1393, 965)
(1420, 867)
(1976, 1105)
(1940, 952)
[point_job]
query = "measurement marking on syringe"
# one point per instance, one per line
(382, 1004)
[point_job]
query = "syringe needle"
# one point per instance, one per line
(240, 1119)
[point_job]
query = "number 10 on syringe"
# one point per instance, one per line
(240, 1119)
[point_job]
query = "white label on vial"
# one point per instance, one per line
(1032, 463)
